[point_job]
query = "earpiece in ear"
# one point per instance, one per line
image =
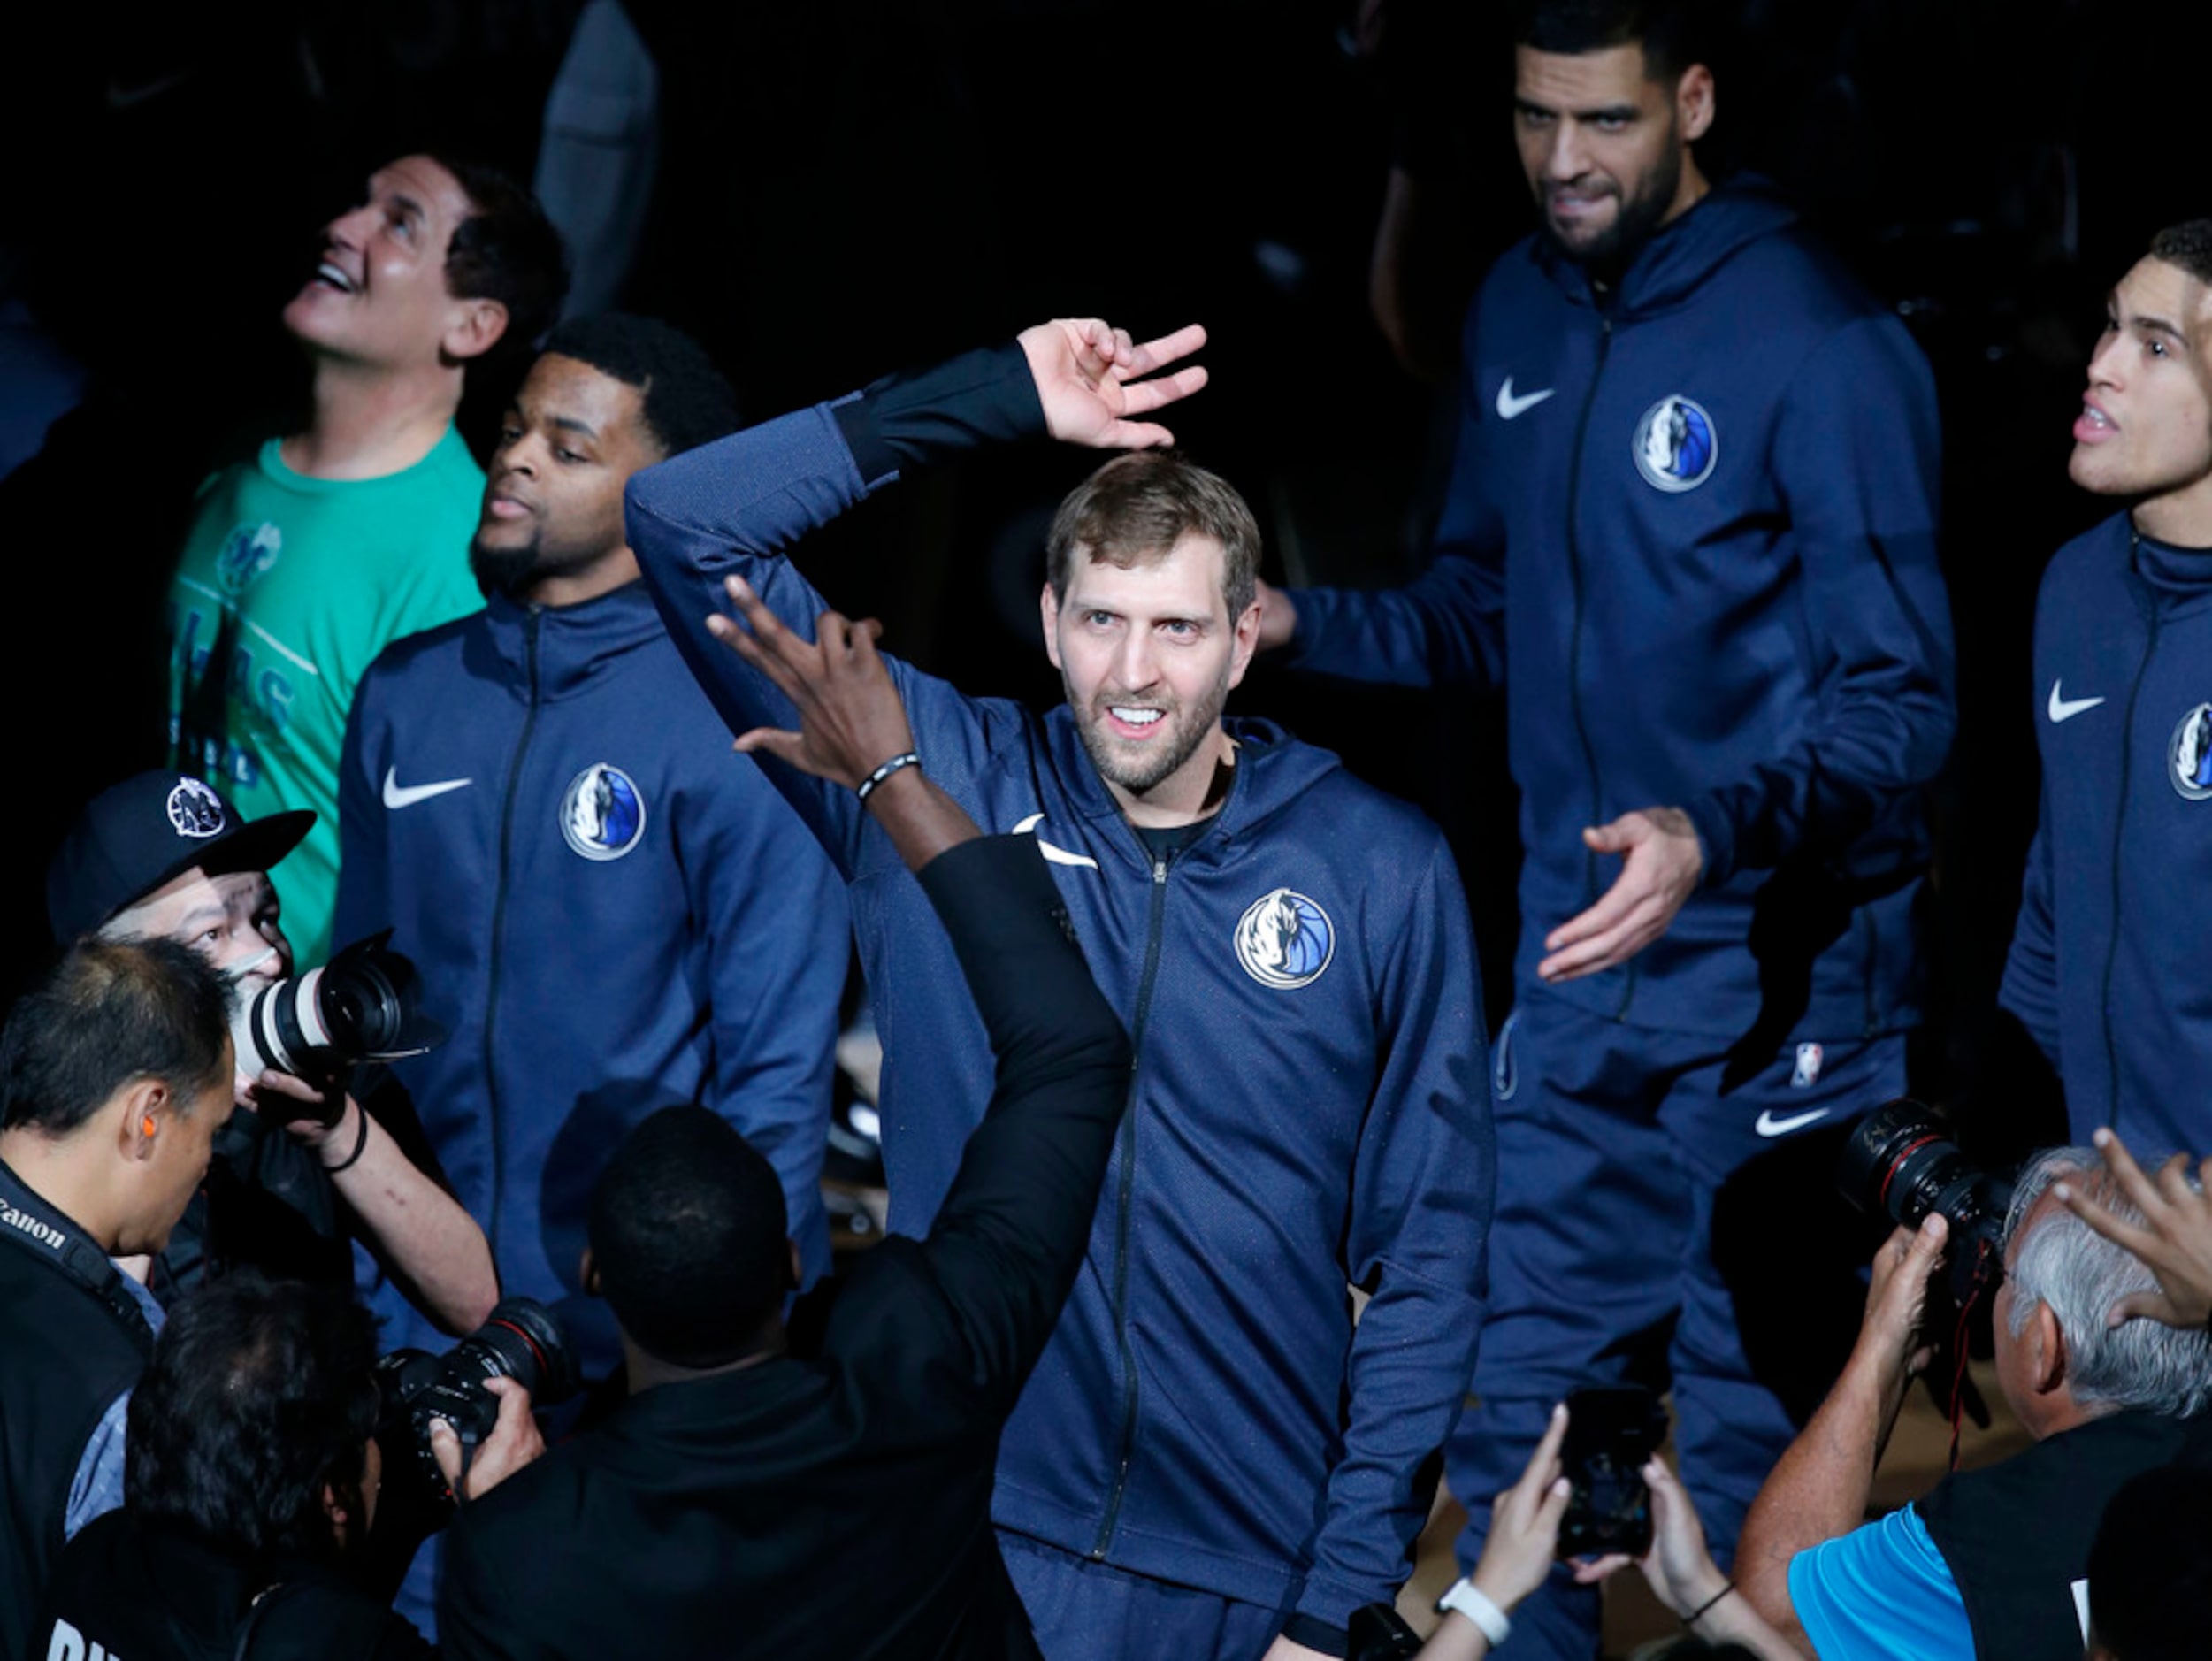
(147, 1124)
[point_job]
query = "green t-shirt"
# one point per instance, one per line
(296, 584)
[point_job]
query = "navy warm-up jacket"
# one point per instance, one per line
(610, 914)
(2110, 968)
(1309, 1102)
(1691, 530)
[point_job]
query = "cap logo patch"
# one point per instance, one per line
(602, 813)
(194, 811)
(1676, 445)
(1285, 941)
(2189, 754)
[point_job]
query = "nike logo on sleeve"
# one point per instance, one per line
(397, 795)
(2066, 709)
(1769, 1126)
(1509, 406)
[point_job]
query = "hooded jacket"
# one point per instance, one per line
(2109, 966)
(609, 912)
(1308, 1103)
(1691, 530)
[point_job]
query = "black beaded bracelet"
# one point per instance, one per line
(866, 786)
(1706, 1607)
(360, 1146)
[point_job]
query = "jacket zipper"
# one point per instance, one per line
(1574, 643)
(1122, 1194)
(499, 926)
(2119, 828)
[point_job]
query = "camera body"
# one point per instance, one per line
(1901, 1160)
(520, 1339)
(364, 1005)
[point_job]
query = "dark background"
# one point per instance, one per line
(849, 186)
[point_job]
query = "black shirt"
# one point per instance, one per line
(835, 1500)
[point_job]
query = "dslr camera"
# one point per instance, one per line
(1901, 1160)
(364, 1005)
(520, 1339)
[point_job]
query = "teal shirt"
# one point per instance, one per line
(293, 585)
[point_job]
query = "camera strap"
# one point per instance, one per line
(29, 1224)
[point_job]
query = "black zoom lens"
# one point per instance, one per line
(1902, 1160)
(520, 1339)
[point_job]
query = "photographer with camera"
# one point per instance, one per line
(162, 856)
(820, 1486)
(115, 1075)
(1989, 1561)
(253, 1475)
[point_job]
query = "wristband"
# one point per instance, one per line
(1706, 1607)
(360, 1146)
(866, 786)
(1478, 1608)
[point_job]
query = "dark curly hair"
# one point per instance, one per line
(260, 1393)
(687, 401)
(2187, 245)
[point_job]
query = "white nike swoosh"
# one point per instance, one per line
(1053, 855)
(1509, 406)
(1769, 1126)
(2066, 709)
(397, 795)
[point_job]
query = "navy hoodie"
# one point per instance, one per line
(1691, 530)
(611, 912)
(1308, 1105)
(2109, 968)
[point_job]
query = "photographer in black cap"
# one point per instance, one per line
(821, 1486)
(163, 856)
(253, 1476)
(115, 1075)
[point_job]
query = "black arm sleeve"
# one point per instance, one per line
(909, 420)
(1010, 1236)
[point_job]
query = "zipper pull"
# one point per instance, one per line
(1159, 872)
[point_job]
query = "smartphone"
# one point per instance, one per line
(1610, 1433)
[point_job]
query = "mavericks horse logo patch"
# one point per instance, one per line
(1676, 445)
(602, 814)
(1284, 940)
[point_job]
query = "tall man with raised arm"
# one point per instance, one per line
(303, 563)
(2108, 968)
(1691, 533)
(1209, 1461)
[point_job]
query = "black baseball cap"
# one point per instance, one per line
(135, 836)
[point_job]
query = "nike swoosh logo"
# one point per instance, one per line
(1509, 406)
(1053, 855)
(397, 795)
(1769, 1126)
(2066, 709)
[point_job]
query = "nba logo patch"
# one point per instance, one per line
(603, 814)
(1676, 446)
(1810, 1056)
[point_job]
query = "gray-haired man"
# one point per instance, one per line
(1994, 1561)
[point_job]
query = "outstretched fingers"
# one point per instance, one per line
(1168, 348)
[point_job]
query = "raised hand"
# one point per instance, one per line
(1524, 1523)
(2174, 1240)
(850, 720)
(1090, 379)
(1663, 862)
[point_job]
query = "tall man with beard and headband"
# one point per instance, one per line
(303, 563)
(1691, 533)
(611, 913)
(2108, 968)
(1210, 1461)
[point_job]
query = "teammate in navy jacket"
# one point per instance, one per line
(1691, 531)
(1209, 1461)
(611, 912)
(2110, 968)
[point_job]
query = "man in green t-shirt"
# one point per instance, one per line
(302, 564)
